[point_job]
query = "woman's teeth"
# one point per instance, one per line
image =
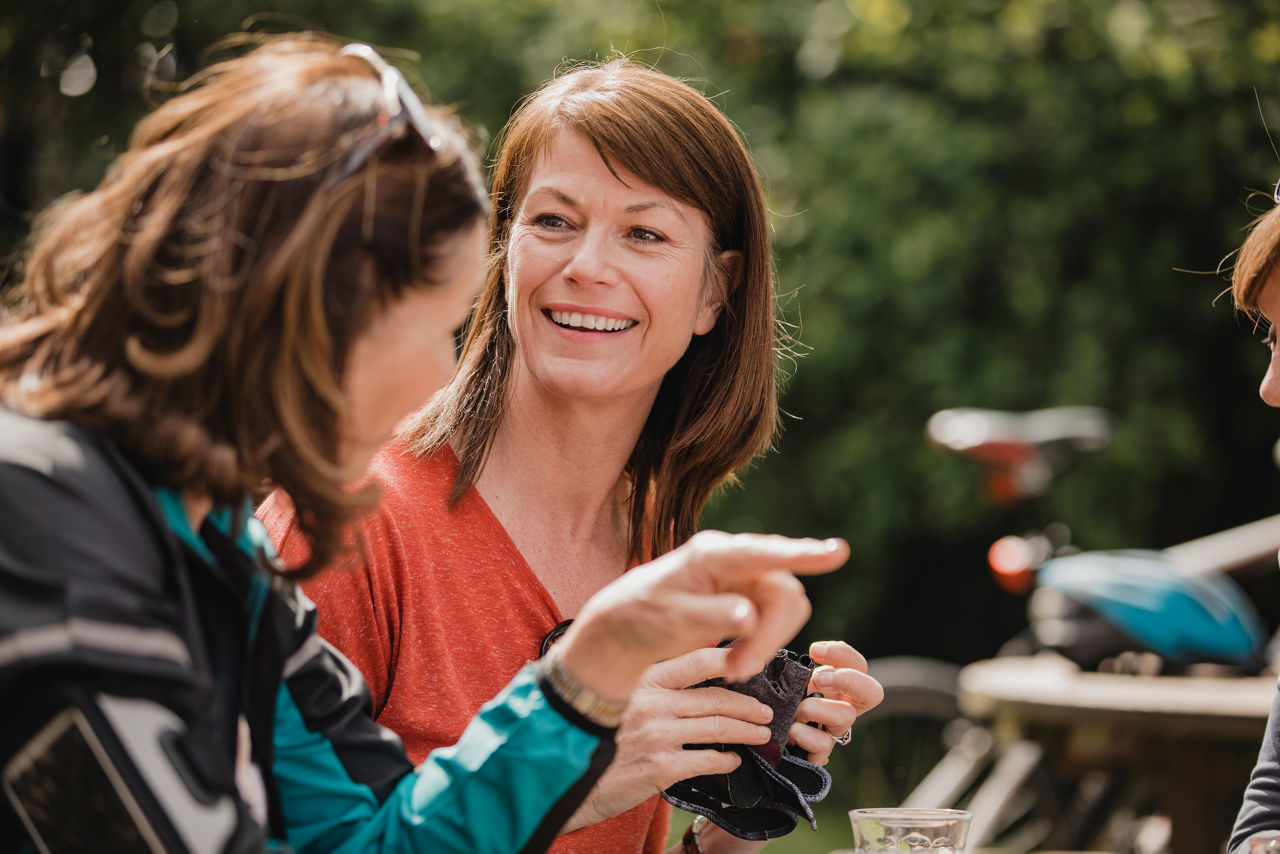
(578, 320)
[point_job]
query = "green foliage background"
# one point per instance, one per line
(1001, 203)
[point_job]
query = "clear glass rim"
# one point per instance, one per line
(911, 812)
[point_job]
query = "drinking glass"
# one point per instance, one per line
(898, 829)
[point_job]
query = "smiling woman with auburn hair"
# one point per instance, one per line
(618, 368)
(717, 408)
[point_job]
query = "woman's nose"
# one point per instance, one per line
(592, 260)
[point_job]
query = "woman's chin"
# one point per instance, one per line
(599, 388)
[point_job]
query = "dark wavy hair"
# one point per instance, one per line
(198, 306)
(717, 407)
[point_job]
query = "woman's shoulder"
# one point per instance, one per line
(413, 503)
(70, 500)
(407, 476)
(55, 449)
(62, 464)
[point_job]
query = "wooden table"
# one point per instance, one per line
(1195, 737)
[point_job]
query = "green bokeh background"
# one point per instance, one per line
(1000, 203)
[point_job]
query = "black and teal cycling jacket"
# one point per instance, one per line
(136, 654)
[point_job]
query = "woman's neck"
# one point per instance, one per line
(561, 463)
(554, 478)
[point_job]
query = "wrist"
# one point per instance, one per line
(592, 650)
(597, 708)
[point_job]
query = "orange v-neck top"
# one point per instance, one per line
(439, 610)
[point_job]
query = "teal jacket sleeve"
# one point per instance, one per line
(518, 772)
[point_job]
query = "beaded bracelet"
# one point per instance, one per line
(580, 698)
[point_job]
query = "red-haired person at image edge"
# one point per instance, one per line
(1255, 290)
(618, 368)
(265, 283)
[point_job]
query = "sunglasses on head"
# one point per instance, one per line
(402, 110)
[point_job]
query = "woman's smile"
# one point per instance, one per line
(587, 321)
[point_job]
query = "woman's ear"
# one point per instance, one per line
(728, 273)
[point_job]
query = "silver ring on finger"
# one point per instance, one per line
(843, 738)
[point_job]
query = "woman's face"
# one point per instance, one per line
(605, 278)
(1269, 304)
(407, 353)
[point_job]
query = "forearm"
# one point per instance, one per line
(517, 772)
(529, 766)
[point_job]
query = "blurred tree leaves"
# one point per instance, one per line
(976, 202)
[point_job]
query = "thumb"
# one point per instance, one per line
(690, 668)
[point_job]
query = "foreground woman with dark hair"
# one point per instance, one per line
(265, 283)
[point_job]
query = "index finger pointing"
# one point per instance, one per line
(745, 555)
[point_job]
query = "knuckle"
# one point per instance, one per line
(721, 700)
(809, 739)
(703, 663)
(704, 541)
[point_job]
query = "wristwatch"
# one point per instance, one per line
(691, 843)
(580, 698)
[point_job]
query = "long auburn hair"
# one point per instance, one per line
(197, 307)
(717, 407)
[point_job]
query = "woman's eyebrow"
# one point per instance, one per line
(555, 194)
(641, 207)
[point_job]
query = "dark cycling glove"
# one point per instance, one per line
(775, 786)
